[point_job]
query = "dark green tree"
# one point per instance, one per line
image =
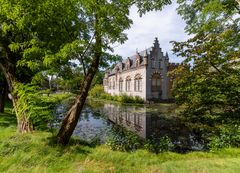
(33, 39)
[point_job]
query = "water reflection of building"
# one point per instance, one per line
(143, 123)
(132, 118)
(148, 124)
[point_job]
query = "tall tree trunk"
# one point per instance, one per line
(24, 124)
(71, 119)
(3, 96)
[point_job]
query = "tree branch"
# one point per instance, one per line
(81, 56)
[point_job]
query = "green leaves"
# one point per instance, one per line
(44, 37)
(210, 88)
(146, 6)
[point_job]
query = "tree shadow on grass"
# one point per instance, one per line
(7, 119)
(75, 145)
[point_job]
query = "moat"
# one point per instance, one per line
(99, 120)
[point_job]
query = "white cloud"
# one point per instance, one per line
(165, 24)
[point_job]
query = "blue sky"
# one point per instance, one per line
(167, 25)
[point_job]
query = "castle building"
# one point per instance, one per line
(144, 74)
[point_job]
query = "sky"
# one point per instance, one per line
(166, 25)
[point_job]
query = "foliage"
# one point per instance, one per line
(3, 92)
(96, 91)
(209, 86)
(146, 6)
(226, 138)
(98, 78)
(23, 31)
(34, 37)
(158, 144)
(123, 140)
(36, 105)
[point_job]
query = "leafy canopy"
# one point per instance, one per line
(210, 88)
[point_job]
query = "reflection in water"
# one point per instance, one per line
(98, 120)
(92, 125)
(148, 124)
(131, 117)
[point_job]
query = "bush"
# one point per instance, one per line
(227, 137)
(158, 144)
(138, 99)
(123, 140)
(96, 91)
(129, 99)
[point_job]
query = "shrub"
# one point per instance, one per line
(158, 144)
(227, 137)
(123, 140)
(138, 99)
(96, 91)
(127, 99)
(130, 99)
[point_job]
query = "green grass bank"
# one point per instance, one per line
(37, 153)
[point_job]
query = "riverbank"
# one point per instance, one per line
(37, 153)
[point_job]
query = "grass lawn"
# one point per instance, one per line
(36, 153)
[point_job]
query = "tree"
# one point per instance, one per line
(44, 36)
(32, 37)
(210, 88)
(104, 16)
(108, 21)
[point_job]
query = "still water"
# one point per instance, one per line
(99, 119)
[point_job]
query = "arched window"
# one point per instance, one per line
(128, 83)
(120, 84)
(138, 83)
(156, 83)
